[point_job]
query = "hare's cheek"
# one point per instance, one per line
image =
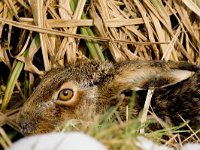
(83, 111)
(45, 126)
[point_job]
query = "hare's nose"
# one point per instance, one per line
(26, 125)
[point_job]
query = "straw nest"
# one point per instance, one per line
(37, 35)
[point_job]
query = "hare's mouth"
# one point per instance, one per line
(30, 128)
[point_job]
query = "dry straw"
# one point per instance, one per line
(40, 34)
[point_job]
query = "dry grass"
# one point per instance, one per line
(37, 35)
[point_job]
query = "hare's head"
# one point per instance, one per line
(86, 88)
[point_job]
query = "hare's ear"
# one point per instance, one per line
(138, 75)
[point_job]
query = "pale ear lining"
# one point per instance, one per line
(164, 79)
(153, 78)
(181, 75)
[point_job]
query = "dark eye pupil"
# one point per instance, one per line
(65, 92)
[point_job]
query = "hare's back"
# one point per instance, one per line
(180, 101)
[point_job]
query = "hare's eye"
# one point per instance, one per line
(65, 94)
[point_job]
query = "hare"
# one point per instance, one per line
(70, 92)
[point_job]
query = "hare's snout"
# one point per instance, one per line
(26, 126)
(37, 118)
(36, 124)
(26, 122)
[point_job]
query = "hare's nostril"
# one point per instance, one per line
(26, 126)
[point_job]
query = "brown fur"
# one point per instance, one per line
(97, 85)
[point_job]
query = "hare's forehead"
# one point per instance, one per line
(60, 79)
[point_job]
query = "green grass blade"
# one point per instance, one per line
(11, 84)
(198, 3)
(89, 44)
(93, 46)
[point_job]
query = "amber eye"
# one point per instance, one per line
(65, 94)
